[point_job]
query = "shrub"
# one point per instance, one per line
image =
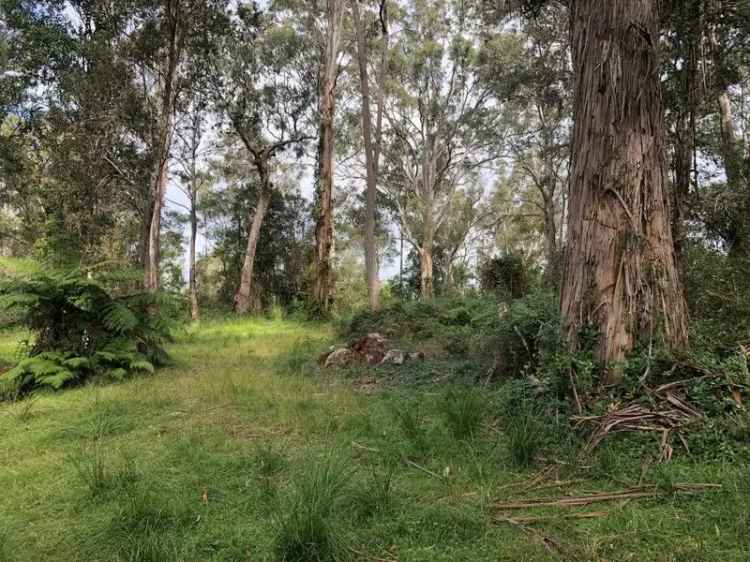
(82, 329)
(507, 277)
(526, 331)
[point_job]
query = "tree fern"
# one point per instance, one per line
(84, 328)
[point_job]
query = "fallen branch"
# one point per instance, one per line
(541, 519)
(580, 501)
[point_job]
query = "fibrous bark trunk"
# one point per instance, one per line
(243, 297)
(620, 272)
(322, 284)
(371, 153)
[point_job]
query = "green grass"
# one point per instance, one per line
(244, 450)
(18, 266)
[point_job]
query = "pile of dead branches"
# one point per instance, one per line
(663, 409)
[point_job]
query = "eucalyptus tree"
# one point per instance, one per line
(195, 180)
(372, 146)
(443, 121)
(620, 270)
(263, 90)
(168, 38)
(329, 73)
(541, 100)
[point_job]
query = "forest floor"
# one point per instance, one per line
(244, 450)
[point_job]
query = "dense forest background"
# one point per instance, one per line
(333, 158)
(374, 280)
(168, 135)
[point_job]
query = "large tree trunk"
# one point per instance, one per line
(243, 298)
(322, 284)
(620, 272)
(371, 157)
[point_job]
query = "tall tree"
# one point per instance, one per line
(443, 121)
(194, 182)
(263, 89)
(372, 149)
(171, 32)
(620, 271)
(329, 70)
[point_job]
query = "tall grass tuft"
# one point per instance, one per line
(410, 419)
(309, 531)
(464, 413)
(97, 471)
(524, 439)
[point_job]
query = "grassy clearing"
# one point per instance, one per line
(243, 451)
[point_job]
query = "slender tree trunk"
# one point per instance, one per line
(167, 87)
(194, 307)
(620, 272)
(243, 297)
(551, 274)
(371, 157)
(689, 37)
(425, 269)
(428, 217)
(733, 156)
(323, 281)
(154, 234)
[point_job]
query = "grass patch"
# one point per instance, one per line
(308, 529)
(225, 456)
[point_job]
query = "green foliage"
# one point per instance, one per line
(525, 334)
(464, 412)
(308, 532)
(507, 277)
(718, 293)
(525, 438)
(82, 330)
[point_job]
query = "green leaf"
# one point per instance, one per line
(142, 365)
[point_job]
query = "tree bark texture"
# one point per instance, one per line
(163, 142)
(620, 272)
(243, 298)
(371, 155)
(429, 174)
(193, 281)
(323, 281)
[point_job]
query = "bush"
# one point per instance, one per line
(528, 330)
(82, 329)
(718, 294)
(507, 277)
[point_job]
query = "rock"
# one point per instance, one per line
(372, 348)
(395, 357)
(323, 357)
(340, 358)
(539, 387)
